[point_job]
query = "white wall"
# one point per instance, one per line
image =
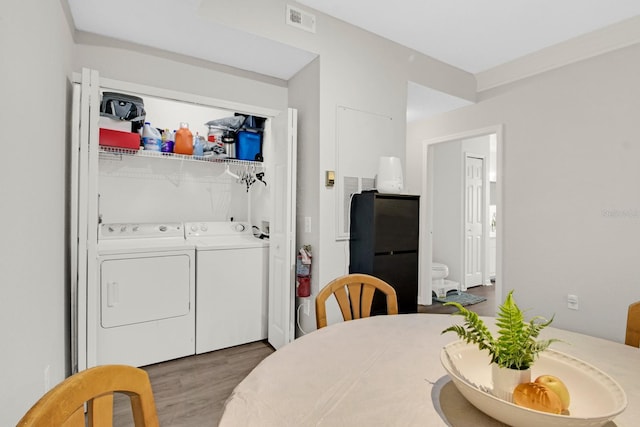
(35, 44)
(134, 189)
(143, 189)
(304, 95)
(447, 206)
(135, 64)
(570, 195)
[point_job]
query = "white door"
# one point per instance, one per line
(85, 116)
(76, 257)
(282, 236)
(474, 219)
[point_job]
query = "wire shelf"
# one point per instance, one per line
(116, 151)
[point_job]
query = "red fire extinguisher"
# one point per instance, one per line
(303, 272)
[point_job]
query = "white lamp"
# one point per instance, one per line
(389, 178)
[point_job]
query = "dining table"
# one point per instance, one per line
(386, 371)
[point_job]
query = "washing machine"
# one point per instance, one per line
(145, 301)
(231, 284)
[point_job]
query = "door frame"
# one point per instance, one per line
(426, 206)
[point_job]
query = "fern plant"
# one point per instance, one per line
(516, 346)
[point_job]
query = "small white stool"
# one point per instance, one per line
(442, 286)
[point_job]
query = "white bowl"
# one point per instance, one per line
(595, 397)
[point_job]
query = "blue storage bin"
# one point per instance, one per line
(249, 146)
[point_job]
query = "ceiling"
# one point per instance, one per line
(469, 34)
(478, 35)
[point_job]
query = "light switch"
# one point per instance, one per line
(330, 178)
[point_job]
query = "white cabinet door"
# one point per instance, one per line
(282, 236)
(78, 254)
(84, 197)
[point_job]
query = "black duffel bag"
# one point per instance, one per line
(120, 106)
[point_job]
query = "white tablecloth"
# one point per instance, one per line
(386, 371)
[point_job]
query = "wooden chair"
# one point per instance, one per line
(632, 337)
(64, 404)
(354, 293)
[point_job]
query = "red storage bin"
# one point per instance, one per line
(119, 139)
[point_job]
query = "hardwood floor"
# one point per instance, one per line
(484, 308)
(190, 392)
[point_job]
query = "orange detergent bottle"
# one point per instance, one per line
(184, 140)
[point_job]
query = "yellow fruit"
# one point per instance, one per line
(556, 384)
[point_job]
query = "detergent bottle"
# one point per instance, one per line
(151, 138)
(167, 141)
(184, 140)
(198, 146)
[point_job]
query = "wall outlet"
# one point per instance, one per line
(306, 306)
(572, 302)
(307, 224)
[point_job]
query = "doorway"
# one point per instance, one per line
(445, 195)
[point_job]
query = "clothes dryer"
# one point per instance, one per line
(231, 284)
(145, 301)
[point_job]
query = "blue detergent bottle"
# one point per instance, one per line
(198, 146)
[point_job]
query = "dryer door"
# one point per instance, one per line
(143, 288)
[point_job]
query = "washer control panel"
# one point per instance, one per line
(200, 229)
(140, 230)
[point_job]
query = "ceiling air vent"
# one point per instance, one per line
(300, 19)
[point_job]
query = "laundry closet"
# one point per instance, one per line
(178, 254)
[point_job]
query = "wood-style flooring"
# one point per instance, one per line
(484, 308)
(191, 391)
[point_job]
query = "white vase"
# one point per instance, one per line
(389, 179)
(505, 380)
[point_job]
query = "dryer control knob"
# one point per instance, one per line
(194, 228)
(163, 228)
(204, 227)
(239, 227)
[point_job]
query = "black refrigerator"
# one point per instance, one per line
(384, 239)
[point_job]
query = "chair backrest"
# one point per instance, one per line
(64, 404)
(633, 325)
(354, 293)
